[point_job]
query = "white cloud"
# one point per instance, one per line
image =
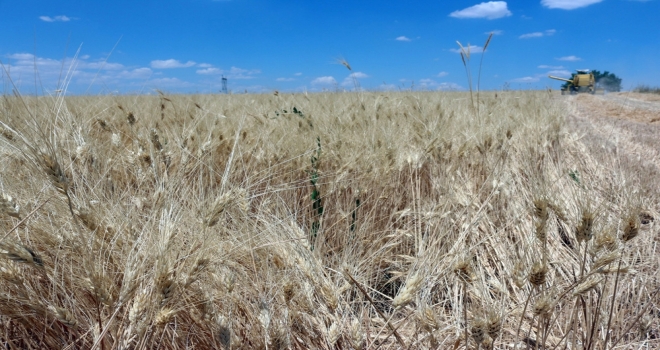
(386, 87)
(137, 73)
(548, 32)
(21, 56)
(171, 63)
(531, 35)
(527, 79)
(169, 82)
(449, 86)
(54, 19)
(471, 48)
(82, 73)
(209, 71)
(232, 73)
(298, 74)
(204, 65)
(240, 73)
(327, 80)
(560, 73)
(285, 79)
(568, 4)
(495, 32)
(489, 10)
(442, 74)
(27, 61)
(569, 58)
(349, 80)
(402, 38)
(543, 66)
(103, 75)
(358, 75)
(100, 65)
(430, 84)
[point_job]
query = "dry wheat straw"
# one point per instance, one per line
(539, 273)
(20, 253)
(584, 231)
(145, 279)
(9, 206)
(631, 228)
(408, 291)
(587, 285)
(63, 316)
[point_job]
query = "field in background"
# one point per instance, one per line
(338, 220)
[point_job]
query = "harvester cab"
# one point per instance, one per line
(583, 81)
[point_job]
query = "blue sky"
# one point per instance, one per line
(188, 45)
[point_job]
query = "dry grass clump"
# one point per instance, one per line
(179, 222)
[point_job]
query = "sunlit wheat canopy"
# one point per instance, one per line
(262, 175)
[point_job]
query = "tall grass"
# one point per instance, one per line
(182, 221)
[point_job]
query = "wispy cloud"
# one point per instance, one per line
(449, 86)
(285, 79)
(569, 58)
(232, 73)
(495, 32)
(137, 73)
(472, 48)
(358, 75)
(171, 63)
(55, 18)
(560, 73)
(543, 66)
(83, 72)
(548, 32)
(298, 74)
(531, 35)
(240, 73)
(442, 74)
(29, 60)
(568, 4)
(489, 10)
(430, 84)
(204, 65)
(350, 79)
(209, 71)
(169, 82)
(528, 79)
(402, 38)
(386, 87)
(327, 80)
(21, 56)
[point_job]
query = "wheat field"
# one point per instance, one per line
(418, 220)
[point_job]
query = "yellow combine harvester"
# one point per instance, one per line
(583, 81)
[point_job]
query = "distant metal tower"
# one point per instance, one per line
(224, 85)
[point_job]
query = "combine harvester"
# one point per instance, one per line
(583, 81)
